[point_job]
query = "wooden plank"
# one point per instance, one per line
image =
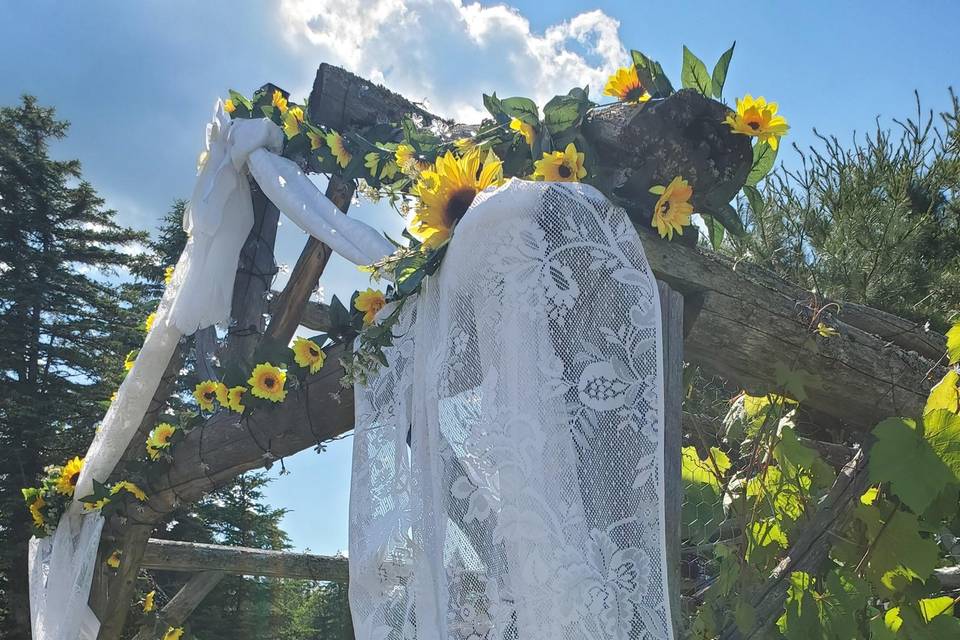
(182, 604)
(671, 316)
(171, 555)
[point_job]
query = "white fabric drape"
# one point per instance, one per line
(527, 373)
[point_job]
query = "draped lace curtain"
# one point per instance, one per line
(508, 463)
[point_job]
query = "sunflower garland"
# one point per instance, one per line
(267, 382)
(158, 440)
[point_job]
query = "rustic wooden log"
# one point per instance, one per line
(182, 604)
(170, 555)
(671, 317)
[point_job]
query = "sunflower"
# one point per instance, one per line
(129, 487)
(267, 382)
(625, 86)
(130, 359)
(159, 439)
(447, 191)
(173, 633)
(464, 145)
(148, 323)
(524, 129)
(148, 603)
(339, 149)
(316, 140)
(35, 503)
(96, 506)
(168, 274)
(69, 476)
(409, 161)
(561, 166)
(113, 560)
(307, 354)
(228, 106)
(673, 210)
(235, 399)
(279, 101)
(208, 391)
(372, 162)
(758, 118)
(370, 302)
(292, 120)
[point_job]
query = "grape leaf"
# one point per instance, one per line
(941, 428)
(953, 344)
(902, 457)
(899, 554)
(945, 394)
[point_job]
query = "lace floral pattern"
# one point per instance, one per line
(528, 504)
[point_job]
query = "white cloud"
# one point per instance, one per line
(448, 53)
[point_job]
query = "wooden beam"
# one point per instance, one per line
(170, 555)
(671, 317)
(182, 604)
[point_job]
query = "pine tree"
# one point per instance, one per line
(63, 326)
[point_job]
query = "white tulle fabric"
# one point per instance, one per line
(529, 502)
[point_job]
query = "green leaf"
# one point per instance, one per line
(744, 616)
(563, 113)
(495, 108)
(795, 382)
(523, 109)
(702, 510)
(714, 231)
(694, 74)
(727, 216)
(902, 457)
(953, 344)
(720, 72)
(754, 199)
(941, 428)
(763, 158)
(944, 394)
(899, 554)
(651, 75)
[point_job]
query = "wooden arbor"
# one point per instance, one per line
(732, 319)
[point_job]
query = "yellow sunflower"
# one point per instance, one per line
(148, 603)
(758, 118)
(523, 129)
(228, 106)
(464, 145)
(130, 359)
(148, 323)
(159, 439)
(448, 190)
(370, 302)
(561, 166)
(267, 382)
(173, 633)
(235, 399)
(69, 475)
(625, 86)
(316, 140)
(207, 391)
(292, 120)
(673, 209)
(339, 149)
(279, 101)
(409, 161)
(35, 507)
(168, 274)
(113, 560)
(307, 354)
(129, 487)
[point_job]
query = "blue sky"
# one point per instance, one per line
(138, 80)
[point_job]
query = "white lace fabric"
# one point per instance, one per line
(527, 373)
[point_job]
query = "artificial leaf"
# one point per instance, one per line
(523, 109)
(902, 457)
(726, 215)
(754, 199)
(763, 158)
(944, 394)
(714, 231)
(651, 75)
(719, 77)
(694, 74)
(563, 113)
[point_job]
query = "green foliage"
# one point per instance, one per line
(694, 74)
(719, 76)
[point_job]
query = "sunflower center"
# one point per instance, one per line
(665, 207)
(210, 395)
(564, 171)
(314, 352)
(268, 382)
(633, 94)
(753, 124)
(74, 478)
(458, 204)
